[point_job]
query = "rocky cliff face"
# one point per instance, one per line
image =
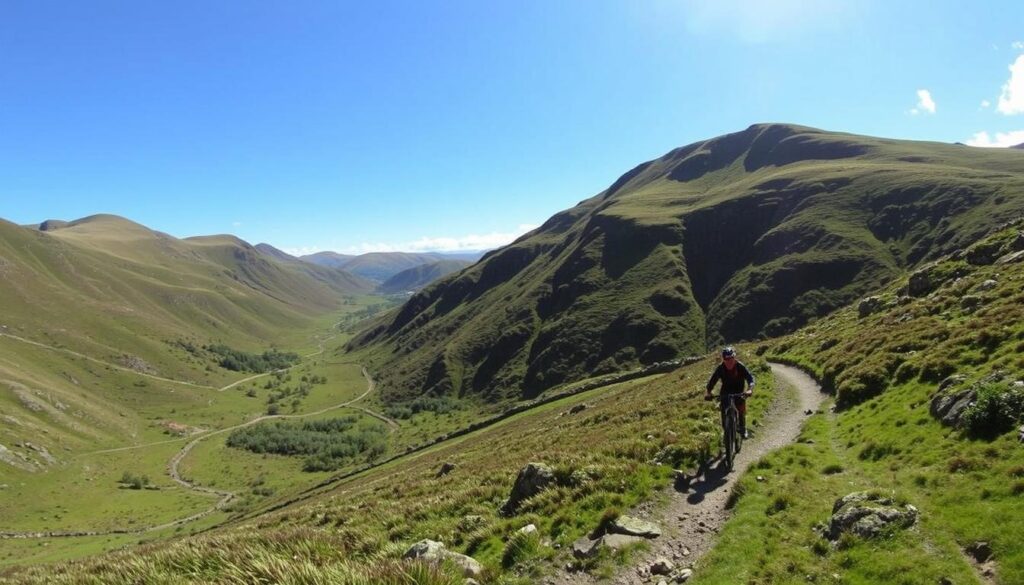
(742, 236)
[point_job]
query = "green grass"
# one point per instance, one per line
(740, 237)
(603, 458)
(885, 368)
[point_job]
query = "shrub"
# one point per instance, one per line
(327, 444)
(995, 411)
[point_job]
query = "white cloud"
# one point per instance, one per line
(236, 223)
(1018, 45)
(301, 250)
(925, 103)
(985, 104)
(1011, 101)
(444, 243)
(1001, 139)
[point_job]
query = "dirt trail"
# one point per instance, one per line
(696, 512)
(172, 470)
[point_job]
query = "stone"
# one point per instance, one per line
(953, 380)
(531, 480)
(1011, 257)
(631, 526)
(1018, 243)
(982, 254)
(868, 306)
(988, 285)
(662, 566)
(949, 407)
(619, 541)
(426, 549)
(432, 551)
(920, 283)
(1020, 434)
(683, 576)
(585, 548)
(578, 408)
(470, 566)
(868, 516)
(980, 551)
(528, 529)
(446, 468)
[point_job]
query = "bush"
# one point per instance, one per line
(996, 410)
(327, 444)
(240, 361)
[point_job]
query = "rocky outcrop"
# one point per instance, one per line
(868, 515)
(869, 306)
(530, 481)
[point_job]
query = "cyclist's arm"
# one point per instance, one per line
(713, 380)
(750, 379)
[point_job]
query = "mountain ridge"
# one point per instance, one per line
(722, 239)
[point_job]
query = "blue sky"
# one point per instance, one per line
(423, 125)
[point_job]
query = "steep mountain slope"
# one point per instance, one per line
(275, 253)
(420, 276)
(741, 236)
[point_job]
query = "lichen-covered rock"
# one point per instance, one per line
(432, 551)
(949, 407)
(584, 548)
(662, 566)
(868, 515)
(619, 541)
(988, 284)
(530, 481)
(635, 527)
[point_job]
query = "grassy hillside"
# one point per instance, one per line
(890, 365)
(105, 319)
(417, 277)
(356, 528)
(747, 235)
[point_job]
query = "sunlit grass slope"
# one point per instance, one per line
(615, 452)
(886, 368)
(738, 237)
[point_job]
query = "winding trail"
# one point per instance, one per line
(173, 471)
(696, 511)
(103, 363)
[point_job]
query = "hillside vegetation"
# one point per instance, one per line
(381, 266)
(928, 378)
(739, 237)
(104, 321)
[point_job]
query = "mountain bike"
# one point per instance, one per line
(732, 438)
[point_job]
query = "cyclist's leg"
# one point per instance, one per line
(741, 405)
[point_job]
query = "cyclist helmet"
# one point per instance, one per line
(728, 351)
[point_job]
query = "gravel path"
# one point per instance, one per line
(696, 512)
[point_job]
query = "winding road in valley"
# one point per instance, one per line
(173, 471)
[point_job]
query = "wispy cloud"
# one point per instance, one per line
(236, 224)
(1011, 101)
(1000, 140)
(925, 103)
(301, 250)
(443, 243)
(985, 104)
(1018, 45)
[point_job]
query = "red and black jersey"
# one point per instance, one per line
(732, 380)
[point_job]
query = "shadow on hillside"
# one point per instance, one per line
(713, 474)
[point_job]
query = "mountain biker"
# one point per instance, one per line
(733, 374)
